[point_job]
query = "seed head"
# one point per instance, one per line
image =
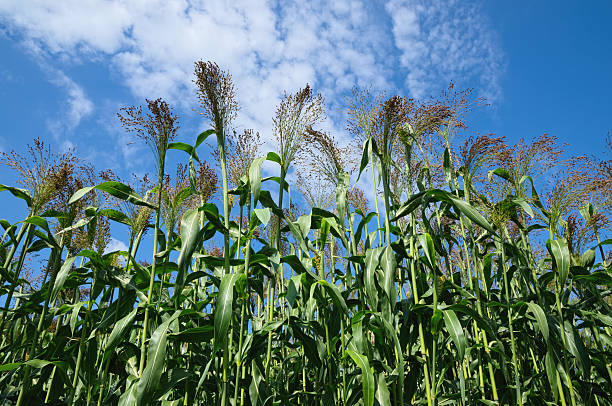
(215, 92)
(157, 128)
(206, 182)
(295, 113)
(241, 150)
(41, 172)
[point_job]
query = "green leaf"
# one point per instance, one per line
(427, 245)
(447, 167)
(258, 391)
(17, 192)
(190, 239)
(255, 177)
(263, 215)
(472, 214)
(119, 331)
(299, 229)
(365, 156)
(334, 293)
(10, 366)
(551, 372)
(116, 189)
(273, 156)
(577, 348)
(115, 215)
(524, 205)
(223, 308)
(74, 316)
(502, 173)
(170, 380)
(540, 318)
(372, 261)
(456, 332)
(389, 267)
(382, 391)
(156, 357)
(341, 188)
(181, 146)
(203, 136)
(367, 377)
(62, 275)
(561, 258)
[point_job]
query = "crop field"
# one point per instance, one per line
(413, 265)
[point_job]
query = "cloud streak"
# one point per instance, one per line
(269, 46)
(440, 41)
(411, 46)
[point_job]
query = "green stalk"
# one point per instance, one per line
(28, 370)
(24, 227)
(375, 197)
(133, 247)
(415, 295)
(271, 287)
(247, 259)
(20, 261)
(512, 341)
(81, 344)
(477, 331)
(143, 347)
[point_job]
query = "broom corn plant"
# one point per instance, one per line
(483, 278)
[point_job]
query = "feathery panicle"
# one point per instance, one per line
(103, 235)
(459, 104)
(41, 172)
(216, 94)
(139, 216)
(567, 188)
(324, 157)
(176, 198)
(157, 128)
(295, 113)
(357, 199)
(206, 183)
(318, 191)
(476, 153)
(531, 159)
(242, 149)
(600, 180)
(362, 112)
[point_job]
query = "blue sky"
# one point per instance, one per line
(66, 67)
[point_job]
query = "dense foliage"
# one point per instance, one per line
(462, 285)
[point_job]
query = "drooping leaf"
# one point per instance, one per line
(116, 189)
(156, 359)
(540, 318)
(453, 326)
(17, 192)
(190, 238)
(367, 377)
(561, 256)
(223, 308)
(62, 275)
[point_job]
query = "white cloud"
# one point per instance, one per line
(115, 245)
(268, 46)
(444, 40)
(78, 106)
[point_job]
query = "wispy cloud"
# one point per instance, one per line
(408, 46)
(268, 46)
(77, 107)
(444, 40)
(115, 245)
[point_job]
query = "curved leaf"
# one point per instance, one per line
(367, 377)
